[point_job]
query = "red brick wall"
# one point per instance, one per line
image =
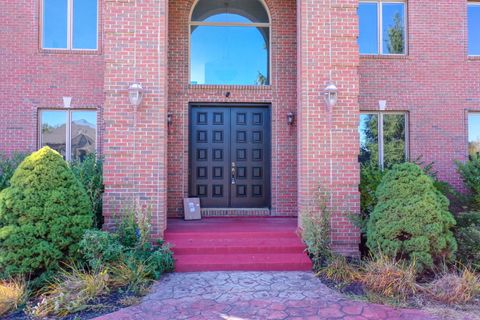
(328, 143)
(135, 144)
(31, 78)
(436, 83)
(281, 94)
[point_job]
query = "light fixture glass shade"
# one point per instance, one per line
(331, 94)
(135, 94)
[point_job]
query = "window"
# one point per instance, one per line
(70, 24)
(230, 43)
(383, 138)
(73, 133)
(474, 133)
(382, 27)
(473, 12)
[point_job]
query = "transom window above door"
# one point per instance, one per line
(230, 43)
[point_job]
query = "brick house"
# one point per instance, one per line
(233, 106)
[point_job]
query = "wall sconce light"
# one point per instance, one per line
(135, 94)
(290, 118)
(331, 94)
(169, 118)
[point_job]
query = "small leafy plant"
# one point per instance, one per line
(316, 234)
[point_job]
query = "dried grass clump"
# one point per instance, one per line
(339, 270)
(13, 293)
(132, 275)
(455, 288)
(72, 291)
(390, 278)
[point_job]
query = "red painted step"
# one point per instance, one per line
(245, 243)
(228, 245)
(243, 262)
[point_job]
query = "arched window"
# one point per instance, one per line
(230, 43)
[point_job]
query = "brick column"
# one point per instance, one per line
(328, 141)
(135, 142)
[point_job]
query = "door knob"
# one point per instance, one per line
(234, 173)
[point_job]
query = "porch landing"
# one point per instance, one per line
(237, 244)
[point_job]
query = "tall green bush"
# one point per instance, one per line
(470, 173)
(411, 219)
(8, 164)
(467, 233)
(43, 215)
(90, 173)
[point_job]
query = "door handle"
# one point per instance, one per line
(234, 173)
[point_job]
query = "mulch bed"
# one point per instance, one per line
(103, 305)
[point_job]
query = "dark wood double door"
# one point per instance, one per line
(230, 156)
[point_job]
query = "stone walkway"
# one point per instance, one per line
(253, 295)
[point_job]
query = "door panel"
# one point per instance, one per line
(230, 156)
(250, 156)
(209, 163)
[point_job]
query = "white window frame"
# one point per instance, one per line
(380, 115)
(380, 27)
(68, 129)
(471, 4)
(229, 24)
(70, 15)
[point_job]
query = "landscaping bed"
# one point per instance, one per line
(56, 261)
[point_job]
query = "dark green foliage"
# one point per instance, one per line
(129, 244)
(100, 248)
(467, 233)
(43, 215)
(8, 164)
(411, 219)
(370, 177)
(90, 173)
(470, 173)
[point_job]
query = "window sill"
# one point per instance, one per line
(384, 56)
(229, 87)
(68, 51)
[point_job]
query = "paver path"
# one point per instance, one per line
(253, 295)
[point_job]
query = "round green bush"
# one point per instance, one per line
(411, 219)
(43, 215)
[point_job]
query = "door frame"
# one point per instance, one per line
(265, 105)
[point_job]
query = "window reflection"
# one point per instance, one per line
(474, 29)
(85, 24)
(393, 28)
(368, 130)
(387, 36)
(393, 139)
(229, 55)
(55, 24)
(54, 130)
(384, 147)
(56, 126)
(84, 132)
(474, 134)
(230, 43)
(368, 19)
